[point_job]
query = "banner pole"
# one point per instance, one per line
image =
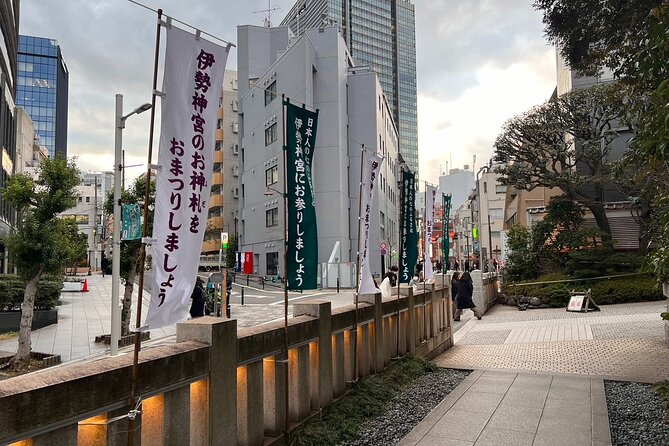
(145, 228)
(357, 270)
(399, 260)
(285, 262)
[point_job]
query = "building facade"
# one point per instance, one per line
(458, 183)
(9, 29)
(382, 35)
(315, 70)
(90, 216)
(42, 90)
(224, 200)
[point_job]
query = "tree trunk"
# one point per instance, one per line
(127, 299)
(645, 223)
(602, 220)
(25, 328)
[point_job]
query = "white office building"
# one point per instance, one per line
(317, 70)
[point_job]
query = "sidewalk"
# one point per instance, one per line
(82, 317)
(539, 375)
(496, 408)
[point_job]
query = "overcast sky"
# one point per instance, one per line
(479, 63)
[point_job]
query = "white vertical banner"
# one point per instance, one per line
(371, 163)
(192, 83)
(430, 199)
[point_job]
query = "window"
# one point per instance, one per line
(235, 127)
(500, 189)
(88, 199)
(272, 175)
(496, 213)
(235, 149)
(272, 217)
(272, 263)
(270, 134)
(270, 93)
(485, 187)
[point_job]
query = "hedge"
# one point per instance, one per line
(12, 288)
(619, 290)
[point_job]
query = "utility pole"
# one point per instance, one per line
(95, 222)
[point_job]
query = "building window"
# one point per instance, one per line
(272, 263)
(496, 213)
(500, 189)
(88, 199)
(272, 217)
(485, 187)
(271, 134)
(272, 175)
(270, 93)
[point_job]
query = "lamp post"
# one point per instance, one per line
(119, 125)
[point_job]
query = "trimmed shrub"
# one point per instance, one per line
(13, 286)
(620, 290)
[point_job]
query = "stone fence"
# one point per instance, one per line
(221, 385)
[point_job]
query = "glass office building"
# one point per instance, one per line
(42, 89)
(381, 34)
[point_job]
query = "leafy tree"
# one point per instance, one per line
(565, 143)
(43, 243)
(231, 252)
(592, 35)
(130, 249)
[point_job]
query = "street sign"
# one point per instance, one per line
(383, 247)
(216, 278)
(224, 240)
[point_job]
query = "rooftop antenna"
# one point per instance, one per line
(267, 21)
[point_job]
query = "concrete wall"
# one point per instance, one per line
(219, 385)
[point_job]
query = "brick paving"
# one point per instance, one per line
(621, 341)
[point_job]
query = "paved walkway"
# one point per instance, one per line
(621, 341)
(539, 375)
(496, 408)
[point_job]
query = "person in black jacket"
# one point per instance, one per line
(454, 290)
(199, 299)
(464, 299)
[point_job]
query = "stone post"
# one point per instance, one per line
(221, 335)
(274, 395)
(338, 364)
(322, 386)
(299, 395)
(411, 329)
(479, 291)
(250, 430)
(176, 430)
(378, 351)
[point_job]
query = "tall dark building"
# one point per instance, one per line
(381, 34)
(9, 26)
(42, 90)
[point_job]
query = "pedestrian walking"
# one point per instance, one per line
(199, 299)
(464, 298)
(454, 290)
(104, 264)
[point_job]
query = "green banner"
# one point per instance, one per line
(408, 231)
(131, 222)
(302, 249)
(446, 228)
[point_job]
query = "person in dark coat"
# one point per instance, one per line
(199, 299)
(104, 264)
(454, 289)
(464, 299)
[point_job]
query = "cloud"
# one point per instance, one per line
(475, 117)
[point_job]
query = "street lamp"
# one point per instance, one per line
(119, 125)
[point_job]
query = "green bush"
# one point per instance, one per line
(619, 290)
(13, 286)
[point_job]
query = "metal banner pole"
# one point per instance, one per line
(145, 229)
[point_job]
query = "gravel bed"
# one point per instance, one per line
(409, 408)
(636, 415)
